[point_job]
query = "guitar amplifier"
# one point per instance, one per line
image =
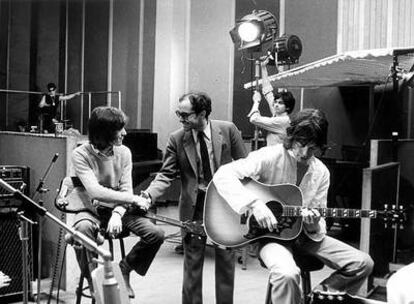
(11, 245)
(19, 178)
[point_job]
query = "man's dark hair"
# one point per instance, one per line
(200, 102)
(104, 124)
(308, 126)
(51, 86)
(288, 100)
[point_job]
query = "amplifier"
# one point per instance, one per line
(11, 257)
(11, 245)
(19, 178)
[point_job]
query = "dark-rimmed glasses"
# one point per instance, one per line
(183, 115)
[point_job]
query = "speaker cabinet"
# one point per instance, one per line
(11, 261)
(11, 257)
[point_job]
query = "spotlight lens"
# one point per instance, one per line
(248, 31)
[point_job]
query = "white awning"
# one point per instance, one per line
(364, 67)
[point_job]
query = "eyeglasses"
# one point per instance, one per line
(183, 115)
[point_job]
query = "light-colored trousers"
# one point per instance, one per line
(351, 266)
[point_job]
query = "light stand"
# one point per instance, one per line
(40, 191)
(110, 285)
(256, 77)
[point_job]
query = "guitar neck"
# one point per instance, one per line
(163, 219)
(295, 211)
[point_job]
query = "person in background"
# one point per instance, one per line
(280, 104)
(104, 168)
(49, 107)
(294, 162)
(194, 152)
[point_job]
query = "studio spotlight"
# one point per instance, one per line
(254, 30)
(286, 50)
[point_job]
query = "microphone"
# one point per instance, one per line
(55, 157)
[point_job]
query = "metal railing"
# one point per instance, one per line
(63, 103)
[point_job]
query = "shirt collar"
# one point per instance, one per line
(207, 132)
(98, 152)
(310, 162)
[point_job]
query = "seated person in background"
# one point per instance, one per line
(49, 105)
(294, 162)
(4, 280)
(400, 286)
(281, 104)
(104, 166)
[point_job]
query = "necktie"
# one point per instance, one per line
(205, 159)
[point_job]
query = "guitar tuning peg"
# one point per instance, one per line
(393, 207)
(385, 206)
(401, 226)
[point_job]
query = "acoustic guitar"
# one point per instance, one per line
(228, 229)
(73, 198)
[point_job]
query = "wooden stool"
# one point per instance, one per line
(307, 264)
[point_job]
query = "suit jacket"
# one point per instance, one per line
(180, 159)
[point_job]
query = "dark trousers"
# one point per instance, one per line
(194, 248)
(141, 255)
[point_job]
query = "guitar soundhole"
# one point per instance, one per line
(283, 222)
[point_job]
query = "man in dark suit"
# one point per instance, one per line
(194, 153)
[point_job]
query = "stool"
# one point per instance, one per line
(80, 288)
(307, 264)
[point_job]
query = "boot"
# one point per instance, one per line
(131, 293)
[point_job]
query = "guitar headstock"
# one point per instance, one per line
(394, 216)
(195, 227)
(328, 297)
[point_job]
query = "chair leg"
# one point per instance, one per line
(269, 293)
(79, 290)
(122, 246)
(111, 247)
(306, 286)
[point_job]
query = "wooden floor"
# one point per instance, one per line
(162, 284)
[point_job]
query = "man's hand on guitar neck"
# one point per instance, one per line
(264, 216)
(311, 219)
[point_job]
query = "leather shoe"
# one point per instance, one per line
(131, 293)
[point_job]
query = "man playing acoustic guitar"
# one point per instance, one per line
(294, 162)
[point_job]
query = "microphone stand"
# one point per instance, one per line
(40, 190)
(111, 294)
(24, 238)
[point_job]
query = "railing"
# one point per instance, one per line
(63, 103)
